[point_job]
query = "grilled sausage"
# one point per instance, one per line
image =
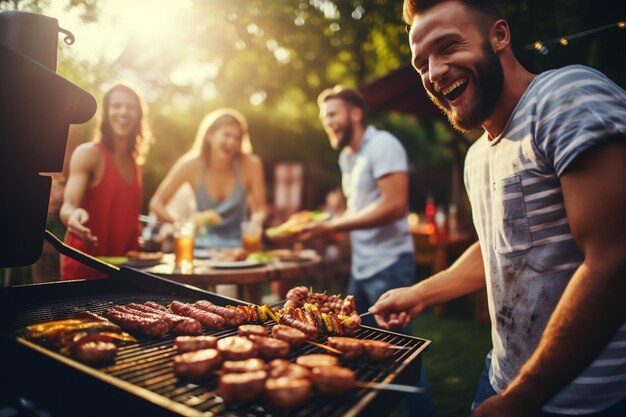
(289, 334)
(89, 316)
(95, 352)
(310, 331)
(156, 306)
(232, 317)
(252, 329)
(193, 365)
(350, 346)
(153, 327)
(178, 324)
(209, 320)
(287, 392)
(269, 347)
(377, 350)
(140, 313)
(246, 365)
(317, 360)
(237, 348)
(190, 343)
(241, 388)
(335, 380)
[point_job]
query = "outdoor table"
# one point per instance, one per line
(249, 280)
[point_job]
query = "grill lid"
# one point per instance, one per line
(36, 109)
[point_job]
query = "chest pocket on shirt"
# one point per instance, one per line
(512, 233)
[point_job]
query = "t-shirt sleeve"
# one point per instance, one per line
(388, 156)
(578, 109)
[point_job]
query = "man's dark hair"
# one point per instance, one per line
(485, 10)
(349, 95)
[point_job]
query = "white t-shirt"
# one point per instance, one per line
(376, 248)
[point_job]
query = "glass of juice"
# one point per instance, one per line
(184, 233)
(251, 236)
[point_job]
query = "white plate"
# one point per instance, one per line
(142, 263)
(203, 253)
(235, 264)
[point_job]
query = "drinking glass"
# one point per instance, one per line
(251, 236)
(184, 233)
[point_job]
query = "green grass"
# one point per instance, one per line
(454, 359)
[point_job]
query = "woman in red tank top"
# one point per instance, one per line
(102, 199)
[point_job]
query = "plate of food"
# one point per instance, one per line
(203, 253)
(295, 223)
(138, 259)
(113, 260)
(288, 255)
(235, 264)
(207, 218)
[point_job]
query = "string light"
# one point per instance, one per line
(542, 46)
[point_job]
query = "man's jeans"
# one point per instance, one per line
(367, 291)
(484, 391)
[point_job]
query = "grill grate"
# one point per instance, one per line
(148, 363)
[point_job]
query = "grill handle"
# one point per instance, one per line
(82, 257)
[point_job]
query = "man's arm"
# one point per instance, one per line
(397, 307)
(391, 206)
(83, 166)
(592, 307)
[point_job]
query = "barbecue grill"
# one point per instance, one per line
(141, 380)
(37, 106)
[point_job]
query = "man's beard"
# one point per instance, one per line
(489, 82)
(346, 136)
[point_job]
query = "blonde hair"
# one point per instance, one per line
(213, 121)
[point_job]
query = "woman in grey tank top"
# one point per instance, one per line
(225, 176)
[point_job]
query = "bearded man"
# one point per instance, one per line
(546, 185)
(375, 183)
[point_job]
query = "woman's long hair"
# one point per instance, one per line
(221, 117)
(140, 144)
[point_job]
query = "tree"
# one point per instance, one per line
(270, 59)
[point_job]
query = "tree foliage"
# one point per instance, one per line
(271, 58)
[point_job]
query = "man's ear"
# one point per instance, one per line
(356, 114)
(500, 35)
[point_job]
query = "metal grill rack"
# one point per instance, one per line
(144, 370)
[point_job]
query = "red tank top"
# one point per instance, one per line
(114, 207)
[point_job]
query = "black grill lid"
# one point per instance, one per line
(36, 108)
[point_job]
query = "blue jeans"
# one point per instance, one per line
(367, 291)
(484, 390)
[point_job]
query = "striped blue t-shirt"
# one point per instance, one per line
(527, 246)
